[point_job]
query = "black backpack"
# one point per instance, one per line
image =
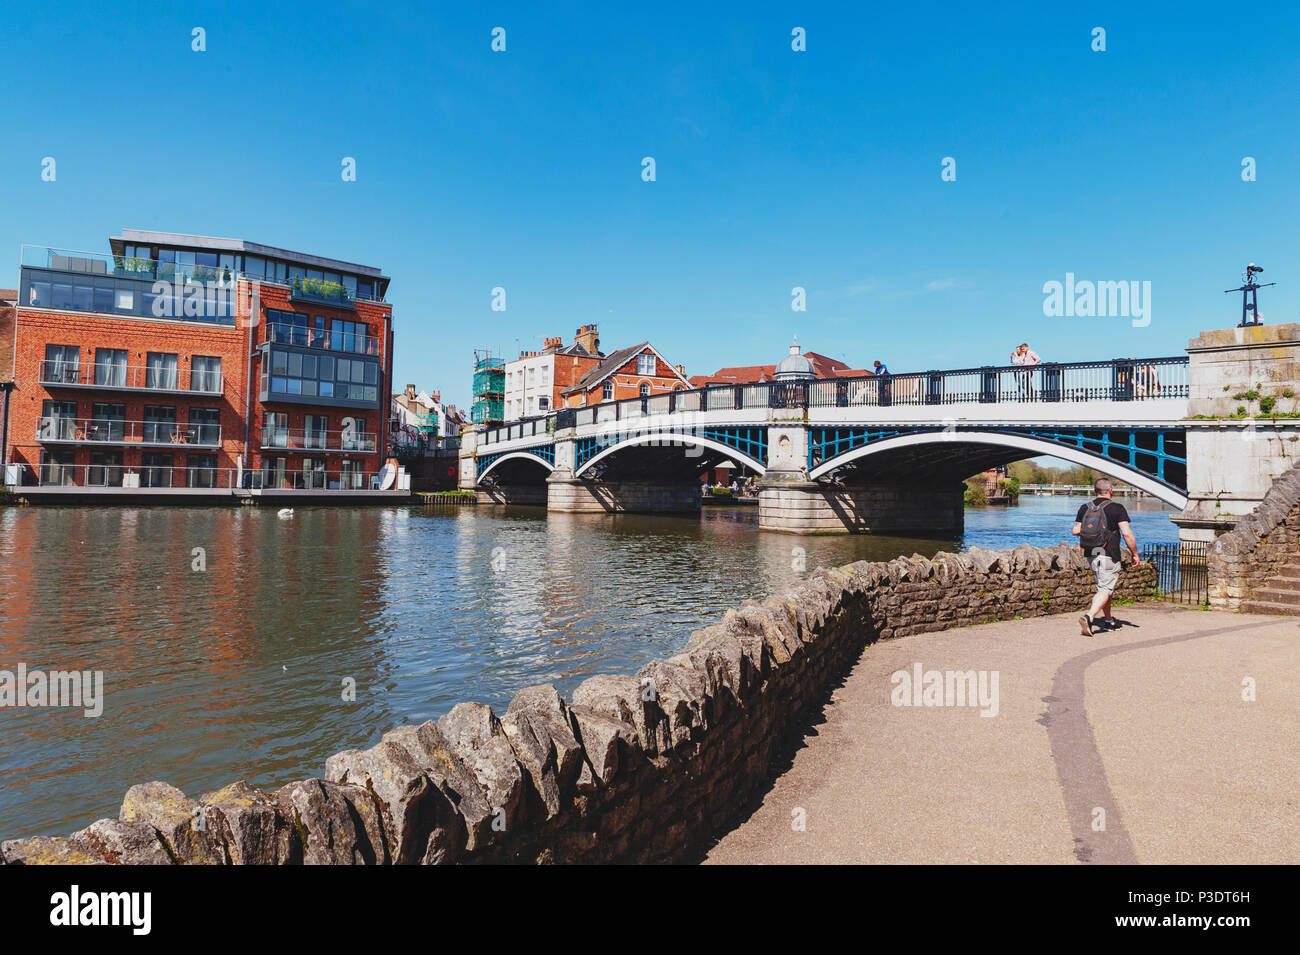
(1095, 531)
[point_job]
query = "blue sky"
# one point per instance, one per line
(775, 169)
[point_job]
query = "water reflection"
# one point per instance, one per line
(237, 672)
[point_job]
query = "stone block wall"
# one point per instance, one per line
(577, 496)
(1243, 559)
(641, 768)
(814, 507)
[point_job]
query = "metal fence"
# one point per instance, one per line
(1182, 570)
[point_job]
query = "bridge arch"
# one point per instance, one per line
(672, 438)
(1020, 442)
(516, 456)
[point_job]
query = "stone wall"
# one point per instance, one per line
(634, 769)
(816, 507)
(1242, 560)
(578, 496)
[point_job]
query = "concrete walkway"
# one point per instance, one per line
(1147, 724)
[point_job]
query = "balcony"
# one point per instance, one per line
(324, 442)
(52, 479)
(106, 377)
(114, 432)
(318, 292)
(278, 333)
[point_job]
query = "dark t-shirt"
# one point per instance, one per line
(1115, 515)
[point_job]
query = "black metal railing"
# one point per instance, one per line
(1121, 379)
(1182, 571)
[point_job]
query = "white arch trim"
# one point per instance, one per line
(669, 437)
(1020, 442)
(517, 455)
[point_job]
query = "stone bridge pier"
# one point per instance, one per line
(790, 502)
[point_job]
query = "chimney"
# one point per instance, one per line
(552, 345)
(681, 370)
(410, 391)
(586, 337)
(437, 397)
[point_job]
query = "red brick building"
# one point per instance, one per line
(197, 363)
(627, 373)
(823, 367)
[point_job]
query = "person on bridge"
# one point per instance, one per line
(1026, 356)
(1099, 525)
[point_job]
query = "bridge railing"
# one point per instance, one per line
(1121, 379)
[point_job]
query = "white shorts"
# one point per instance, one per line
(1105, 570)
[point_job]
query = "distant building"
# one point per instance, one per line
(419, 416)
(822, 367)
(626, 373)
(535, 379)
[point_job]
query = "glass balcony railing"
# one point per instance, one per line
(118, 377)
(301, 439)
(56, 429)
(359, 344)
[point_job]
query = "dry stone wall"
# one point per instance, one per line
(1242, 560)
(635, 768)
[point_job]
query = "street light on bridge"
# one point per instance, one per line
(1249, 307)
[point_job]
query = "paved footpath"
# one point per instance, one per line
(1147, 724)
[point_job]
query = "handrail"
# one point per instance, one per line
(1119, 379)
(131, 477)
(57, 429)
(129, 377)
(302, 439)
(280, 333)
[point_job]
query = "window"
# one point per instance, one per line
(155, 469)
(351, 475)
(57, 467)
(105, 469)
(159, 424)
(313, 472)
(205, 426)
(645, 390)
(607, 391)
(543, 404)
(275, 430)
(316, 433)
(645, 364)
(125, 301)
(350, 336)
(108, 422)
(365, 288)
(62, 364)
(38, 294)
(202, 469)
(274, 473)
(110, 367)
(205, 374)
(58, 421)
(160, 371)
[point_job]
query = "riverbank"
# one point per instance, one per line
(1112, 725)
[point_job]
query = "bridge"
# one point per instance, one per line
(888, 454)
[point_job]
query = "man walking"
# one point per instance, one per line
(1099, 525)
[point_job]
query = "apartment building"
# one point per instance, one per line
(536, 379)
(192, 363)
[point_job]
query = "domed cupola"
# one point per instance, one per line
(794, 366)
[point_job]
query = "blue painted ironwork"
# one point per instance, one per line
(827, 443)
(546, 452)
(749, 440)
(1125, 445)
(1150, 451)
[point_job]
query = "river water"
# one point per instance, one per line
(238, 671)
